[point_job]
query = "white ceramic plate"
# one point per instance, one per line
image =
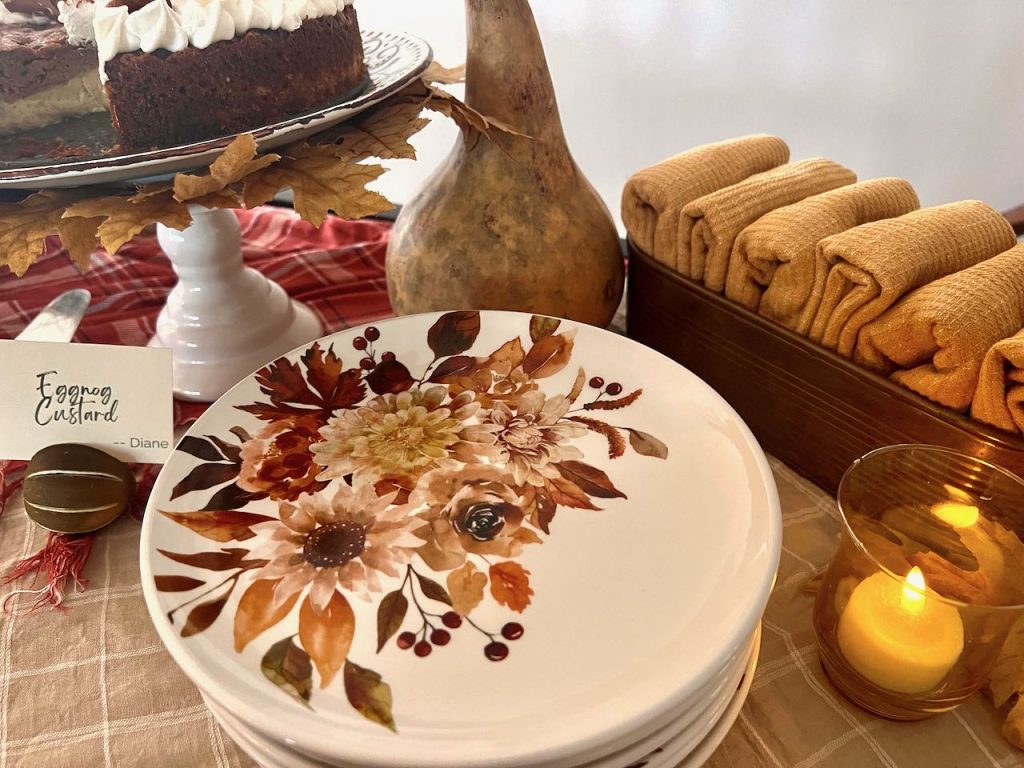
(703, 752)
(265, 752)
(691, 718)
(646, 754)
(393, 61)
(689, 727)
(649, 578)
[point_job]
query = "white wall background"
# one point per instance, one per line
(930, 90)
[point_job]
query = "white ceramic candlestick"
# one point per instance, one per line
(222, 320)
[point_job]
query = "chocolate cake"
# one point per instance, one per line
(260, 77)
(44, 79)
(176, 71)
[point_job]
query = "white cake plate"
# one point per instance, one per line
(224, 320)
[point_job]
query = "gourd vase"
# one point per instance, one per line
(508, 223)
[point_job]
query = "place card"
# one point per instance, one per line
(118, 399)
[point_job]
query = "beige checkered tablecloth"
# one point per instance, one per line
(94, 687)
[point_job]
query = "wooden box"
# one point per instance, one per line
(811, 408)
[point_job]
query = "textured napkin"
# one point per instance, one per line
(860, 273)
(772, 264)
(938, 335)
(653, 197)
(999, 398)
(714, 221)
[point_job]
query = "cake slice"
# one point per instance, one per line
(181, 71)
(43, 78)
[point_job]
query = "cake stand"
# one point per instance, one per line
(222, 320)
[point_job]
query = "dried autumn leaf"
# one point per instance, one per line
(438, 73)
(231, 452)
(477, 374)
(236, 162)
(389, 378)
(176, 583)
(549, 355)
(390, 615)
(79, 237)
(202, 616)
(323, 370)
(592, 480)
(505, 358)
(542, 326)
(647, 445)
(205, 476)
(453, 333)
(329, 387)
(25, 225)
(540, 509)
(259, 609)
(468, 119)
(222, 198)
(321, 181)
(327, 635)
(232, 497)
(199, 447)
(563, 491)
(466, 586)
(219, 525)
(383, 132)
(225, 560)
(577, 386)
(369, 695)
(124, 218)
(510, 585)
(288, 667)
(433, 590)
(458, 365)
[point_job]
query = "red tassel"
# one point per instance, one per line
(61, 560)
(8, 485)
(144, 479)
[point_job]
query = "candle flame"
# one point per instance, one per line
(912, 599)
(956, 514)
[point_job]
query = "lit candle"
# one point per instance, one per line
(897, 636)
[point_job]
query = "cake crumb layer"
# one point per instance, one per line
(34, 59)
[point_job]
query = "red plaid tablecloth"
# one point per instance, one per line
(337, 270)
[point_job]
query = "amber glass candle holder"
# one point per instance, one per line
(915, 606)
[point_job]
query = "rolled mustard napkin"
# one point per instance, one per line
(938, 335)
(860, 273)
(771, 268)
(653, 197)
(999, 398)
(715, 220)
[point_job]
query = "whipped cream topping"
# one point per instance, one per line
(197, 23)
(76, 16)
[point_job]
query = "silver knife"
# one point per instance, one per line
(59, 319)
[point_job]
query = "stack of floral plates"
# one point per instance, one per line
(467, 540)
